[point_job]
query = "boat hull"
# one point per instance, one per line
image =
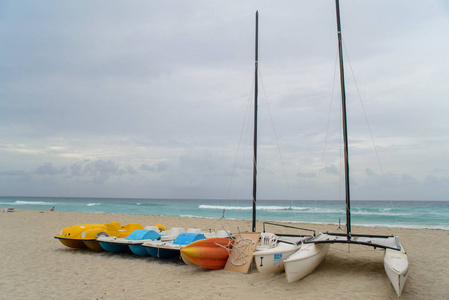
(271, 261)
(138, 250)
(396, 267)
(94, 246)
(114, 247)
(164, 253)
(172, 249)
(305, 261)
(72, 243)
(135, 238)
(210, 253)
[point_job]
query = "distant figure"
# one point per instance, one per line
(223, 213)
(53, 208)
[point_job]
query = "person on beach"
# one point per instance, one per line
(52, 209)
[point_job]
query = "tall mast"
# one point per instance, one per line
(255, 125)
(345, 127)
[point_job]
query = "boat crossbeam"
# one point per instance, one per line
(376, 241)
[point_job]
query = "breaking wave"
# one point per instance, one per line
(260, 207)
(21, 202)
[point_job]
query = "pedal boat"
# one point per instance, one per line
(210, 253)
(133, 242)
(171, 249)
(85, 235)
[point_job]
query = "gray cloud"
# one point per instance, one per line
(49, 169)
(158, 167)
(331, 170)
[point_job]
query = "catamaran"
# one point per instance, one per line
(309, 256)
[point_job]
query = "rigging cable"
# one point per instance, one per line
(274, 131)
(325, 139)
(370, 131)
(245, 124)
(295, 212)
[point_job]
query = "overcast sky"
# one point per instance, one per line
(149, 99)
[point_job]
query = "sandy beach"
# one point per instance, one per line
(37, 266)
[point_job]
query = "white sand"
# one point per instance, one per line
(37, 266)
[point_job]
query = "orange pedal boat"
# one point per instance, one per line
(210, 253)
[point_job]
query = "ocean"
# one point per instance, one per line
(400, 214)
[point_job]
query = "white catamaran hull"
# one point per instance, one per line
(304, 261)
(271, 261)
(396, 267)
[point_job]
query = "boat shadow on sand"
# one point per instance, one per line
(358, 262)
(127, 256)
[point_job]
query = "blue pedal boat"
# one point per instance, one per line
(132, 243)
(171, 249)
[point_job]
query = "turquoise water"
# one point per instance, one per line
(403, 214)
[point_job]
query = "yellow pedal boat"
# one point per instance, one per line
(85, 235)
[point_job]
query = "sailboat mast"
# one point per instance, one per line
(255, 124)
(345, 127)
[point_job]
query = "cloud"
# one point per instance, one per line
(99, 171)
(157, 167)
(13, 173)
(331, 170)
(49, 169)
(437, 181)
(306, 175)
